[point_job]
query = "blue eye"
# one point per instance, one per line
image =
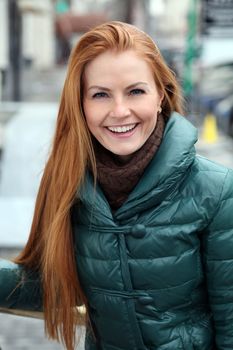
(99, 95)
(137, 92)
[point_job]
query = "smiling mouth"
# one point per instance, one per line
(122, 129)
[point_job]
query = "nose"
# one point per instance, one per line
(119, 109)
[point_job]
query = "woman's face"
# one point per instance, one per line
(120, 101)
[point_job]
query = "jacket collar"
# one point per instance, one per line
(160, 179)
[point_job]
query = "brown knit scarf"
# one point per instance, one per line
(118, 179)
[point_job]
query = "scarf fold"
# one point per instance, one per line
(117, 179)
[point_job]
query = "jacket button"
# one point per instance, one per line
(138, 231)
(145, 300)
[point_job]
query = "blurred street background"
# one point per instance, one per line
(36, 37)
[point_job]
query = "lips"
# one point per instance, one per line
(122, 129)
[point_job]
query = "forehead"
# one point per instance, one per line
(112, 65)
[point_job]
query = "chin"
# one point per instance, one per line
(123, 154)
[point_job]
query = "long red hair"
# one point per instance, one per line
(49, 249)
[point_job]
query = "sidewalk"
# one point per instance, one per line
(20, 333)
(220, 151)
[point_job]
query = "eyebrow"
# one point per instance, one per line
(107, 89)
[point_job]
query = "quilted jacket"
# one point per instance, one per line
(158, 272)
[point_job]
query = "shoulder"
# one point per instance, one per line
(205, 165)
(208, 184)
(210, 173)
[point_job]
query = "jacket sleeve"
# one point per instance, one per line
(19, 288)
(218, 262)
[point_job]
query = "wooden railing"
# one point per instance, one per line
(24, 313)
(34, 314)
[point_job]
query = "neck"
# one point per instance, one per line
(123, 159)
(118, 175)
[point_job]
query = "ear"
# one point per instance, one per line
(161, 95)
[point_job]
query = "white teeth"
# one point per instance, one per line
(119, 129)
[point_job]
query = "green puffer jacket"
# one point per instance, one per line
(158, 273)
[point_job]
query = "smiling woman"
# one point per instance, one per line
(121, 101)
(129, 221)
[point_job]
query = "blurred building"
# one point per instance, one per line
(168, 22)
(30, 36)
(38, 39)
(4, 43)
(26, 36)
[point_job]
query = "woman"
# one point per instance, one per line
(129, 220)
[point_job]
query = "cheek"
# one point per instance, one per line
(149, 114)
(93, 121)
(94, 113)
(92, 126)
(148, 107)
(88, 113)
